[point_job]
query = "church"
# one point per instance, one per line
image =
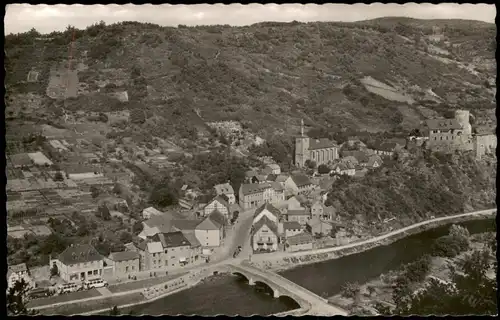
(320, 151)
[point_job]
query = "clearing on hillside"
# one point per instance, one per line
(385, 91)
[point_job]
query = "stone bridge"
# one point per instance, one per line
(310, 303)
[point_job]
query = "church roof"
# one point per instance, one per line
(323, 143)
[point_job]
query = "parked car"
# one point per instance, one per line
(70, 287)
(96, 283)
(39, 293)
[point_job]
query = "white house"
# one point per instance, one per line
(16, 273)
(265, 235)
(217, 204)
(210, 232)
(79, 263)
(227, 190)
(274, 168)
(267, 210)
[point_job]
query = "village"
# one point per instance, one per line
(72, 186)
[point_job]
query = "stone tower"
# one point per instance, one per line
(301, 147)
(462, 116)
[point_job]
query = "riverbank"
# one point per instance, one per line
(282, 262)
(379, 291)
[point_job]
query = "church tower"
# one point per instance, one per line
(301, 147)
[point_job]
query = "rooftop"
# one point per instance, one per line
(291, 225)
(123, 256)
(322, 143)
(443, 124)
(185, 224)
(79, 253)
(269, 207)
(265, 221)
(297, 212)
(224, 188)
(171, 239)
(18, 268)
(301, 180)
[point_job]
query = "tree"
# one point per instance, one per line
(58, 176)
(94, 191)
(125, 237)
(54, 270)
(310, 164)
(162, 196)
(137, 227)
(323, 169)
(103, 212)
(350, 290)
(16, 299)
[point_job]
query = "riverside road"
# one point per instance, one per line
(239, 235)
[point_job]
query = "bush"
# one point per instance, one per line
(323, 169)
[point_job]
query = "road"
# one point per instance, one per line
(240, 236)
(264, 256)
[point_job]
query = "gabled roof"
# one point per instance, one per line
(217, 217)
(291, 225)
(171, 239)
(124, 256)
(281, 178)
(322, 143)
(250, 173)
(360, 156)
(373, 159)
(443, 124)
(301, 180)
(185, 224)
(315, 221)
(267, 222)
(261, 177)
(269, 207)
(163, 223)
(272, 177)
(224, 188)
(300, 238)
(277, 186)
(152, 211)
(297, 212)
(252, 188)
(79, 253)
(221, 200)
(191, 237)
(18, 268)
(349, 159)
(154, 247)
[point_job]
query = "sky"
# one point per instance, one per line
(48, 18)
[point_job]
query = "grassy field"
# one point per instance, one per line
(88, 306)
(139, 284)
(64, 297)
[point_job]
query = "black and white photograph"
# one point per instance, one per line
(251, 159)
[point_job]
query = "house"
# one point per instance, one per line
(210, 232)
(150, 212)
(449, 134)
(291, 228)
(386, 149)
(217, 204)
(256, 194)
(265, 235)
(360, 156)
(344, 168)
(79, 262)
(16, 273)
(273, 168)
(125, 263)
(167, 251)
(374, 162)
(319, 226)
(298, 242)
(260, 178)
(299, 184)
(227, 190)
(349, 159)
(317, 209)
(267, 210)
(294, 203)
(300, 215)
(249, 175)
(156, 224)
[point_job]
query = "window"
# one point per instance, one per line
(95, 272)
(172, 257)
(165, 251)
(126, 269)
(89, 273)
(166, 263)
(133, 268)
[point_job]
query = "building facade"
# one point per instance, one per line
(79, 263)
(227, 190)
(321, 151)
(219, 204)
(299, 242)
(254, 195)
(265, 235)
(484, 144)
(125, 263)
(16, 273)
(447, 135)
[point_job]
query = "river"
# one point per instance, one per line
(230, 295)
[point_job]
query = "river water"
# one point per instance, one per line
(231, 295)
